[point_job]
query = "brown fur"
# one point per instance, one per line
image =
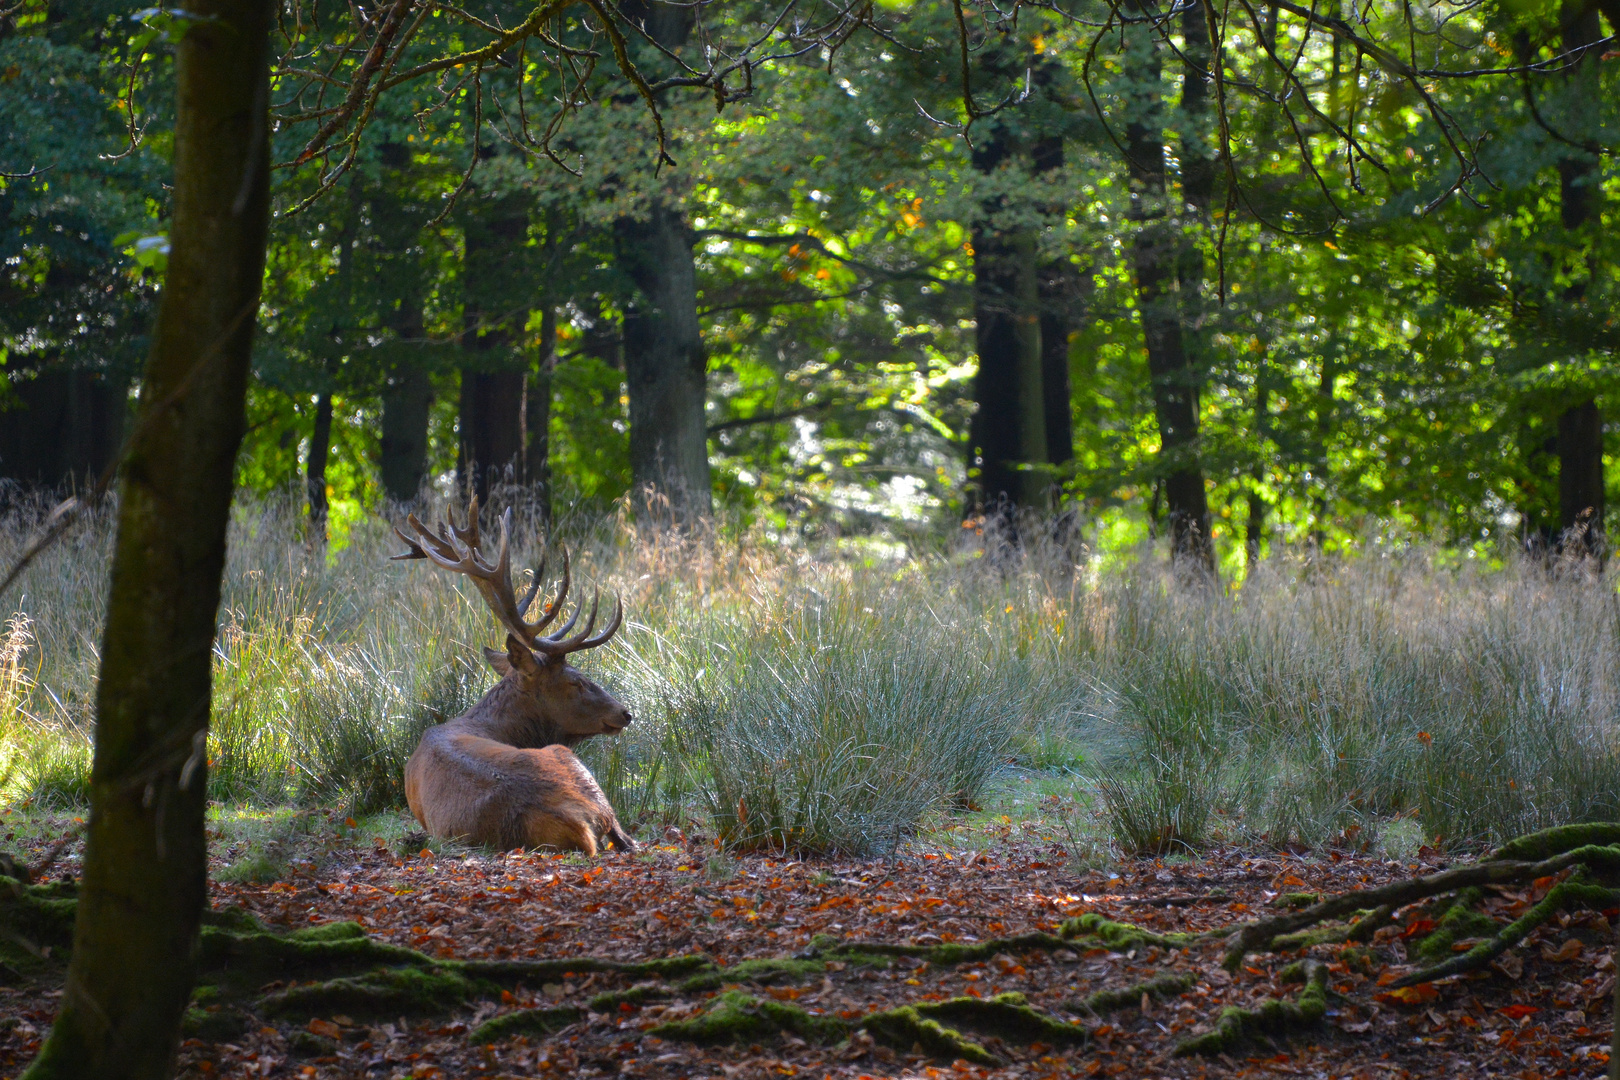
(501, 774)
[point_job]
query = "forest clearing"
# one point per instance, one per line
(844, 538)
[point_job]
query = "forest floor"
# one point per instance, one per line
(1539, 1012)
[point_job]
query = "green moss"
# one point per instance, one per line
(870, 952)
(247, 960)
(1328, 933)
(386, 992)
(1237, 1026)
(1160, 988)
(763, 972)
(636, 995)
(905, 1027)
(1461, 920)
(1296, 901)
(525, 1022)
(1118, 936)
(1007, 1016)
(735, 1016)
(1536, 846)
(512, 971)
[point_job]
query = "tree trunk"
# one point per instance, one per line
(1058, 291)
(1010, 424)
(407, 406)
(145, 869)
(1154, 257)
(320, 444)
(63, 429)
(491, 383)
(665, 370)
(666, 366)
(537, 420)
(1580, 426)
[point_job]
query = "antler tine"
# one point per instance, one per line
(565, 628)
(562, 594)
(534, 587)
(469, 535)
(557, 645)
(415, 551)
(608, 631)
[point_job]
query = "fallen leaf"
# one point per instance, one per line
(326, 1028)
(1420, 994)
(1566, 952)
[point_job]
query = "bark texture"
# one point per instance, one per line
(1156, 251)
(665, 365)
(1580, 425)
(665, 370)
(144, 879)
(491, 382)
(1009, 427)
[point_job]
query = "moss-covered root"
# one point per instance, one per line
(525, 1022)
(1536, 846)
(1237, 1026)
(763, 972)
(1121, 937)
(1005, 1015)
(387, 992)
(1566, 894)
(943, 955)
(735, 1016)
(1460, 920)
(1161, 988)
(906, 1027)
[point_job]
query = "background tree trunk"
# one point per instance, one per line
(145, 869)
(1009, 428)
(665, 369)
(537, 420)
(1580, 426)
(665, 364)
(1155, 252)
(491, 384)
(320, 445)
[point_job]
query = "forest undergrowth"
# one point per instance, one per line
(836, 699)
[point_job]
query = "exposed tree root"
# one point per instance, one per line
(525, 1022)
(1237, 1026)
(906, 1027)
(1006, 1015)
(1161, 988)
(1262, 935)
(387, 992)
(735, 1015)
(1122, 937)
(1567, 894)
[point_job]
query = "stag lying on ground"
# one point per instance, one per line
(501, 773)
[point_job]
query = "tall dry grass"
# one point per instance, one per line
(836, 702)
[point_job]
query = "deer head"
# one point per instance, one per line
(541, 698)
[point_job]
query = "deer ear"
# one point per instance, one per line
(519, 657)
(498, 661)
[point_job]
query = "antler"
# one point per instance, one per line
(457, 549)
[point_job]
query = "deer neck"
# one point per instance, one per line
(508, 715)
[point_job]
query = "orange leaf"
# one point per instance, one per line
(1421, 994)
(1418, 926)
(326, 1028)
(1518, 1012)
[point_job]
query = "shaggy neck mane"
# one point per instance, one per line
(508, 715)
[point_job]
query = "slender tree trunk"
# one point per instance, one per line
(1254, 534)
(666, 366)
(1580, 426)
(144, 883)
(491, 384)
(1058, 290)
(1154, 258)
(320, 445)
(407, 407)
(665, 369)
(537, 419)
(1010, 424)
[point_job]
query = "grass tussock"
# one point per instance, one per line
(838, 703)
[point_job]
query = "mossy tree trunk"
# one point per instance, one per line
(145, 868)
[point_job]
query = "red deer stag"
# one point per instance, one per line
(501, 773)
